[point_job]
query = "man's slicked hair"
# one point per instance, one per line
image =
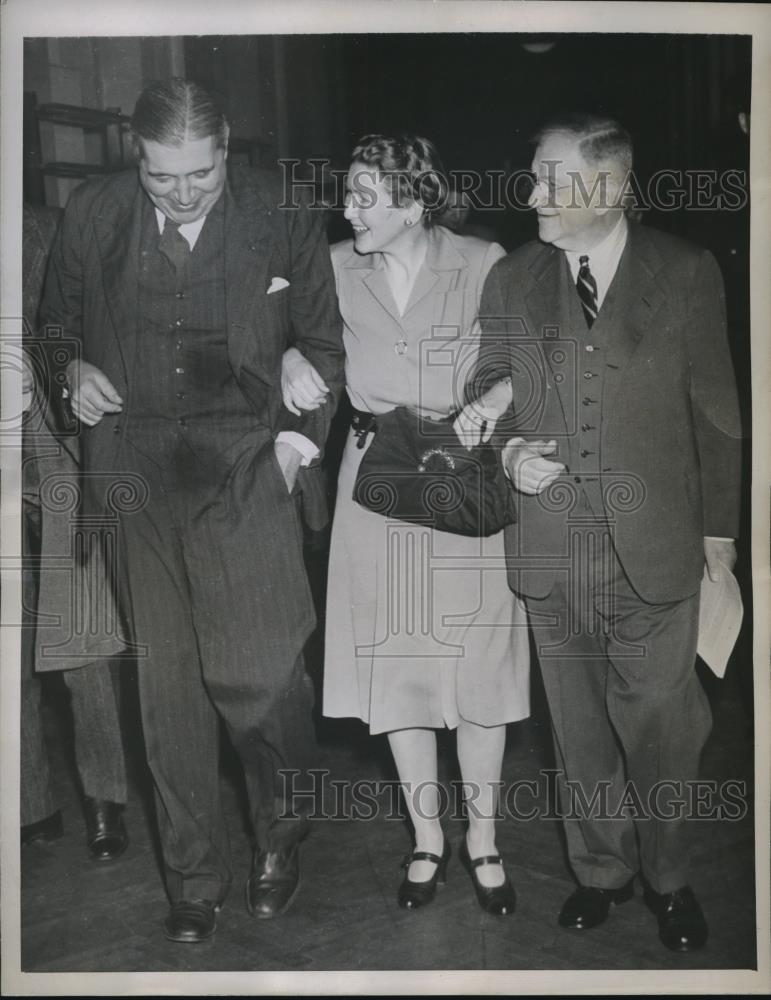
(176, 111)
(600, 139)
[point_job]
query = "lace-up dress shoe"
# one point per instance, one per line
(411, 895)
(191, 921)
(49, 829)
(682, 926)
(106, 835)
(589, 907)
(273, 883)
(500, 899)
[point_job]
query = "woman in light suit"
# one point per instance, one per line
(422, 631)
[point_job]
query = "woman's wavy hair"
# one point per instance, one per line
(411, 168)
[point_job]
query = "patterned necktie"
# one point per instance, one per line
(173, 245)
(587, 290)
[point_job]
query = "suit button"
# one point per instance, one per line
(182, 422)
(577, 479)
(181, 395)
(180, 371)
(587, 427)
(116, 429)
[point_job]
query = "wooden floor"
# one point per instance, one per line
(78, 916)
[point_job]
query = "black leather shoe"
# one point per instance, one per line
(273, 883)
(588, 907)
(500, 899)
(106, 835)
(48, 829)
(411, 895)
(682, 926)
(191, 921)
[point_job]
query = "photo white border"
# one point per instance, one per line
(20, 18)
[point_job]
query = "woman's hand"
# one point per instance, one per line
(301, 385)
(476, 421)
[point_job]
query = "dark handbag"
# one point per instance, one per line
(416, 470)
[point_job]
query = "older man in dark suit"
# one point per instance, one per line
(185, 282)
(626, 456)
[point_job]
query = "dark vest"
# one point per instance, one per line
(584, 454)
(186, 405)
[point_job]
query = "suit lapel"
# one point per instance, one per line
(376, 284)
(440, 272)
(120, 263)
(249, 245)
(636, 298)
(437, 275)
(548, 309)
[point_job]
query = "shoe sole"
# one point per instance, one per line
(186, 939)
(102, 859)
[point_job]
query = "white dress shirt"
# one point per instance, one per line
(603, 259)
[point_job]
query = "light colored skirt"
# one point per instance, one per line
(422, 629)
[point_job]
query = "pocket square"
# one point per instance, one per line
(276, 284)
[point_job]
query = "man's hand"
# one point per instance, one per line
(289, 458)
(476, 421)
(718, 551)
(92, 394)
(526, 467)
(301, 385)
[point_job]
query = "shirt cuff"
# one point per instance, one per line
(301, 443)
(719, 538)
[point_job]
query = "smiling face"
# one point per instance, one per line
(185, 181)
(571, 199)
(379, 218)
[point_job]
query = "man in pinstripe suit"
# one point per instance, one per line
(185, 282)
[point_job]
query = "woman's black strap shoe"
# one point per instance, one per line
(500, 900)
(414, 894)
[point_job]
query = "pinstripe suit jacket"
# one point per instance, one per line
(92, 293)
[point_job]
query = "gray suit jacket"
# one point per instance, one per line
(669, 416)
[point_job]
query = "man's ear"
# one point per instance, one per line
(136, 147)
(611, 194)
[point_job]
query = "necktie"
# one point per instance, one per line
(587, 290)
(173, 245)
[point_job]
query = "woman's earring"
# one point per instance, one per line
(409, 222)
